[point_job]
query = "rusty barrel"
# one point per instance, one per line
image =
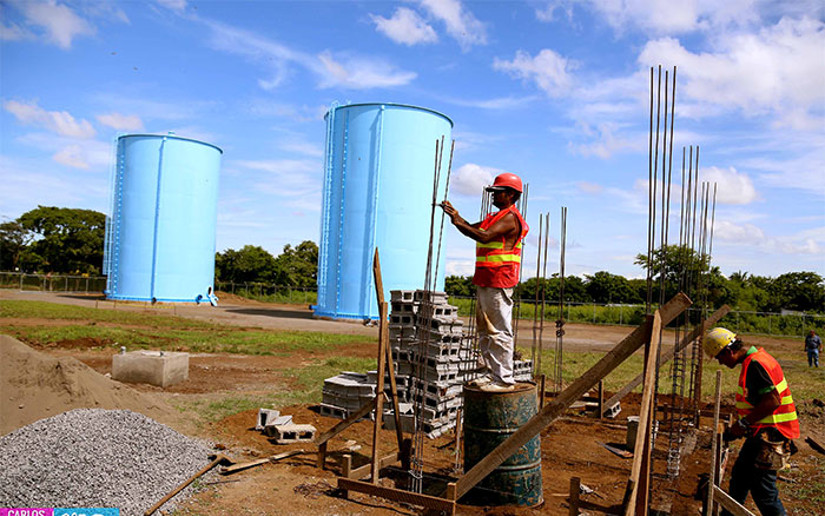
(489, 419)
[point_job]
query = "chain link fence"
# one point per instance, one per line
(52, 282)
(753, 323)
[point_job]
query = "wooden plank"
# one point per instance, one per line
(398, 495)
(639, 472)
(556, 408)
(379, 390)
(729, 503)
(697, 387)
(366, 470)
(384, 336)
(343, 425)
(668, 355)
(246, 465)
(712, 480)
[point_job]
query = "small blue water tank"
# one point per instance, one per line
(378, 192)
(160, 236)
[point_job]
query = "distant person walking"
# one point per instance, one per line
(813, 345)
(499, 240)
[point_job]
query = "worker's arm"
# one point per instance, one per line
(769, 402)
(502, 228)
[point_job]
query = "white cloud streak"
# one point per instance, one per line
(461, 24)
(549, 70)
(59, 22)
(732, 187)
(343, 70)
(469, 179)
(121, 122)
(405, 27)
(59, 122)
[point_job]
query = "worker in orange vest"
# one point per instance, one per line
(499, 239)
(767, 420)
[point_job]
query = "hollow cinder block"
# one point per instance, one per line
(159, 368)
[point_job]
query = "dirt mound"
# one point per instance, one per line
(35, 386)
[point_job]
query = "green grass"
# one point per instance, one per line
(806, 383)
(45, 310)
(309, 380)
(216, 410)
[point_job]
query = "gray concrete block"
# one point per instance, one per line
(292, 433)
(159, 368)
(266, 416)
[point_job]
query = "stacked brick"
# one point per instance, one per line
(433, 358)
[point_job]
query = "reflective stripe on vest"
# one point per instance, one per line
(497, 266)
(784, 417)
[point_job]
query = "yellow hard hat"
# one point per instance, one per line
(716, 340)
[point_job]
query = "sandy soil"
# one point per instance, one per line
(570, 447)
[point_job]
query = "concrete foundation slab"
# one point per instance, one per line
(161, 368)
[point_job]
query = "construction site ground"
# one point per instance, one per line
(572, 446)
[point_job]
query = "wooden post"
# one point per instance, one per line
(714, 444)
(575, 489)
(543, 394)
(322, 455)
(379, 393)
(601, 399)
(574, 391)
(668, 355)
(384, 336)
(697, 389)
(640, 471)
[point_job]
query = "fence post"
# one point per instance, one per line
(594, 312)
(21, 281)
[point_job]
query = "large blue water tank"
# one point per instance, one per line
(378, 192)
(160, 237)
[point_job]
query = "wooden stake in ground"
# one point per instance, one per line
(637, 484)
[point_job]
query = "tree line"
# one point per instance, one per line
(675, 269)
(70, 241)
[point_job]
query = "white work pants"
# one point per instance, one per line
(494, 314)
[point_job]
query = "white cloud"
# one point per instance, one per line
(493, 104)
(590, 188)
(807, 242)
(405, 27)
(361, 73)
(773, 71)
(609, 138)
(121, 122)
(71, 156)
(59, 122)
(731, 232)
(547, 69)
(470, 179)
(13, 32)
(732, 187)
(346, 71)
(461, 24)
(173, 5)
(60, 23)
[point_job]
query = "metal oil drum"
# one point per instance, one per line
(489, 419)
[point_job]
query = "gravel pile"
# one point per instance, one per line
(96, 458)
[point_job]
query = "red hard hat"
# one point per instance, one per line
(506, 180)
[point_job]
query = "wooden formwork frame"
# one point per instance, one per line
(385, 367)
(546, 415)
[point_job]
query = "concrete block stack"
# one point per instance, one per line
(344, 394)
(433, 358)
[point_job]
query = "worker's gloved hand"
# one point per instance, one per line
(736, 430)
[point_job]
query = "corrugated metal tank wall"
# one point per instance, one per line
(378, 188)
(160, 237)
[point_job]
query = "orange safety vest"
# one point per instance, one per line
(784, 417)
(496, 266)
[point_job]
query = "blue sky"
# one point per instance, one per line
(556, 91)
